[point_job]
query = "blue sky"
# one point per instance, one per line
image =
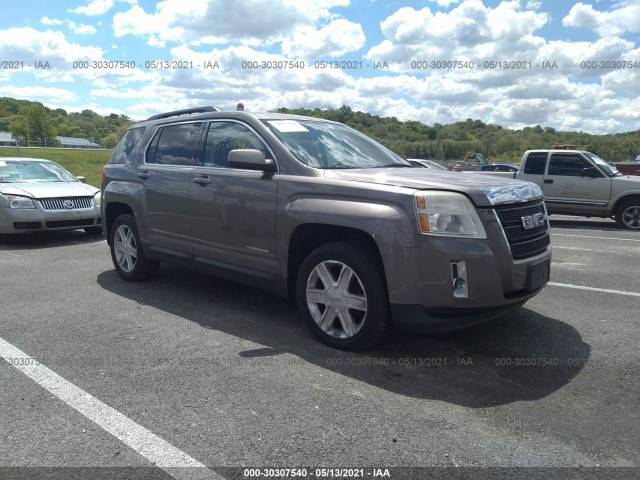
(577, 64)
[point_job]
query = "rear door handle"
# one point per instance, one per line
(548, 180)
(144, 174)
(202, 180)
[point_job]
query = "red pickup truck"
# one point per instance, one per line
(628, 168)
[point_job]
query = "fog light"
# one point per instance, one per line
(459, 279)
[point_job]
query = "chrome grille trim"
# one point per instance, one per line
(523, 243)
(58, 204)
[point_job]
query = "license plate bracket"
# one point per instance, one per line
(538, 275)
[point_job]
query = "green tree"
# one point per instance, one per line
(33, 126)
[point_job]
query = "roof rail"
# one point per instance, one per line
(187, 111)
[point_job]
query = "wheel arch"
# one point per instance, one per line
(307, 237)
(623, 199)
(111, 212)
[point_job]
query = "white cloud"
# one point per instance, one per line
(77, 28)
(37, 94)
(200, 22)
(51, 21)
(81, 28)
(444, 3)
(94, 8)
(28, 45)
(624, 19)
(469, 31)
(338, 38)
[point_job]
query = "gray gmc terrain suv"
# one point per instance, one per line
(314, 210)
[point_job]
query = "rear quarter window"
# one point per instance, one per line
(126, 145)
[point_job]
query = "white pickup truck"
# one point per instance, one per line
(576, 182)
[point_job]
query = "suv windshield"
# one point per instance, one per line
(332, 145)
(604, 166)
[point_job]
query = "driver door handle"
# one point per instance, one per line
(548, 180)
(144, 174)
(202, 180)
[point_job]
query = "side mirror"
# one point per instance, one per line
(591, 172)
(250, 159)
(82, 179)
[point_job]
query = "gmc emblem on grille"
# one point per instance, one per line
(68, 204)
(532, 221)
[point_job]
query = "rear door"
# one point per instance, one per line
(166, 175)
(567, 190)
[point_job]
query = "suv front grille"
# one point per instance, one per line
(64, 204)
(524, 242)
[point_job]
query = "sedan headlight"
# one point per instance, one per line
(97, 199)
(17, 201)
(448, 214)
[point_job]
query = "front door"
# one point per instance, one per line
(233, 214)
(565, 188)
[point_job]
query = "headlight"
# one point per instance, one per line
(448, 214)
(97, 199)
(17, 201)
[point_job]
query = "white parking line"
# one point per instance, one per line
(162, 454)
(589, 236)
(594, 289)
(593, 250)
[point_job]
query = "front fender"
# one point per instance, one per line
(389, 224)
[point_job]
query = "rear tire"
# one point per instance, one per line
(628, 215)
(126, 251)
(342, 296)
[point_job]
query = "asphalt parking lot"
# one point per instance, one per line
(205, 379)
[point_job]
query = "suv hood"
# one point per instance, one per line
(49, 189)
(484, 190)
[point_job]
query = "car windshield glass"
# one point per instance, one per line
(604, 166)
(332, 145)
(27, 172)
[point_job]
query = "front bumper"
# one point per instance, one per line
(422, 291)
(23, 220)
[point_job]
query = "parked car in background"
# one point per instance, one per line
(37, 194)
(628, 168)
(423, 163)
(577, 182)
(499, 167)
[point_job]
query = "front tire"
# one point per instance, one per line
(126, 251)
(342, 296)
(628, 215)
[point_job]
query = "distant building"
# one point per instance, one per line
(7, 140)
(72, 142)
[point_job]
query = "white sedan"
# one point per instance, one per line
(38, 195)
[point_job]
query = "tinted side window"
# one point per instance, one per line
(175, 144)
(223, 137)
(535, 163)
(567, 165)
(126, 145)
